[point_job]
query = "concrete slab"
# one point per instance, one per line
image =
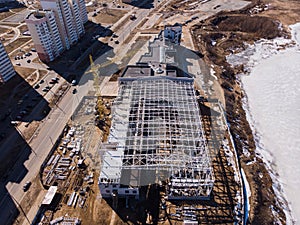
(110, 89)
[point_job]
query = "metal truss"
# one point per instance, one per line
(156, 122)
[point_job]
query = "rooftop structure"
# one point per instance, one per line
(173, 33)
(160, 51)
(165, 51)
(156, 137)
(6, 68)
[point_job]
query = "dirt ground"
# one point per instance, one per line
(109, 16)
(3, 15)
(24, 72)
(226, 33)
(3, 30)
(95, 210)
(17, 43)
(23, 28)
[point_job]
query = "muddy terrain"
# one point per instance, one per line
(228, 32)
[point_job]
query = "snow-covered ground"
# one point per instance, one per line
(273, 99)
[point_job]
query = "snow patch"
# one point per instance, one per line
(272, 107)
(212, 72)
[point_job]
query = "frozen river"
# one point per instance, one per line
(273, 91)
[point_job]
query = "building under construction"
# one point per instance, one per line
(156, 137)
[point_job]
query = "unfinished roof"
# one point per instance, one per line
(160, 51)
(157, 126)
(137, 71)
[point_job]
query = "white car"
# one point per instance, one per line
(74, 82)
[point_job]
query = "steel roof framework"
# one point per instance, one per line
(156, 122)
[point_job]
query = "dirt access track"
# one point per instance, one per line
(217, 37)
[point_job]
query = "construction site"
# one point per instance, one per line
(161, 152)
(169, 155)
(157, 148)
(153, 144)
(157, 134)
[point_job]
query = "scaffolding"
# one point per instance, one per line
(156, 125)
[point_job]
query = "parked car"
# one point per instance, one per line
(26, 186)
(55, 79)
(19, 117)
(14, 123)
(45, 89)
(24, 112)
(74, 91)
(132, 17)
(74, 82)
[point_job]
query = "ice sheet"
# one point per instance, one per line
(273, 93)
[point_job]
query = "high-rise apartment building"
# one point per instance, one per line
(57, 27)
(45, 34)
(83, 12)
(68, 17)
(6, 68)
(77, 22)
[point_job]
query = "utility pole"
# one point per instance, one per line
(18, 204)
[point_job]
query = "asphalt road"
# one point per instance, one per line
(31, 98)
(40, 147)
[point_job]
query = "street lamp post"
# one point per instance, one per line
(18, 204)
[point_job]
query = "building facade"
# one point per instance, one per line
(70, 18)
(77, 21)
(173, 33)
(83, 12)
(6, 68)
(57, 27)
(45, 34)
(64, 20)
